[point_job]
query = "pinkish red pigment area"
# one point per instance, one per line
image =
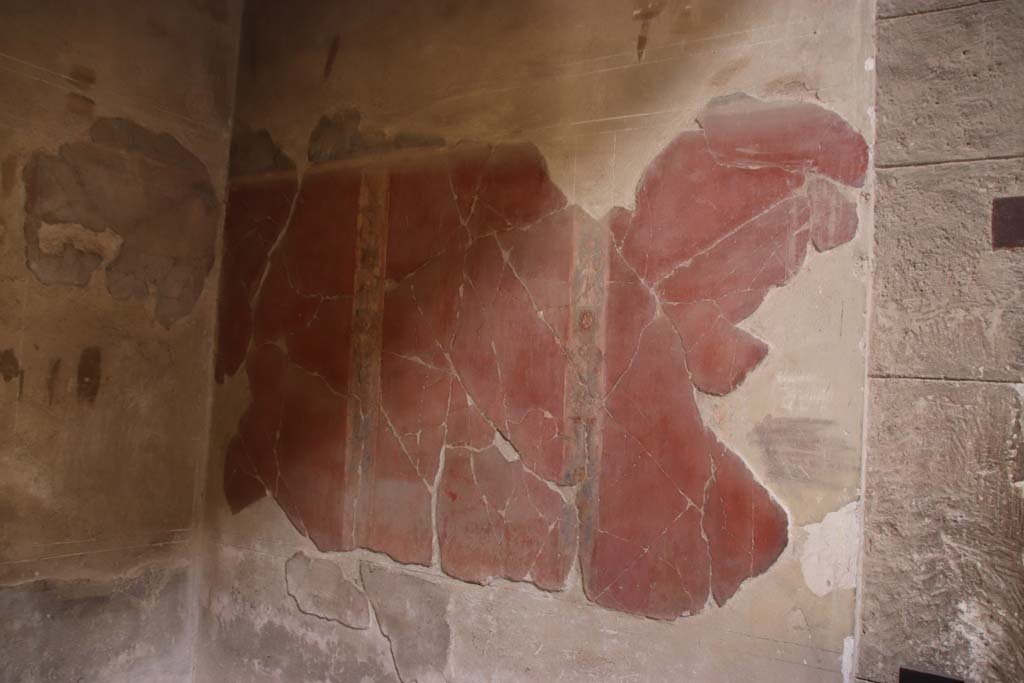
(450, 364)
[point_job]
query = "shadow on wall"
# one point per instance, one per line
(477, 66)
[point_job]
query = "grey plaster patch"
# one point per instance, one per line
(320, 589)
(341, 136)
(413, 615)
(122, 628)
(268, 650)
(147, 189)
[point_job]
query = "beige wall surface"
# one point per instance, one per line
(600, 91)
(114, 126)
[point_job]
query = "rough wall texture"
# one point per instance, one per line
(113, 146)
(532, 329)
(944, 520)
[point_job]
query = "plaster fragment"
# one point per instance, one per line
(320, 589)
(828, 558)
(412, 614)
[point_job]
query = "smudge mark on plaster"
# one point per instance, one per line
(143, 186)
(341, 136)
(320, 589)
(90, 374)
(9, 366)
(412, 614)
(828, 558)
(332, 54)
(800, 450)
(80, 105)
(82, 76)
(52, 380)
(487, 409)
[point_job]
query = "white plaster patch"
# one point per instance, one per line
(507, 450)
(975, 628)
(847, 660)
(828, 558)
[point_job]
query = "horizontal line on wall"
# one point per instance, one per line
(973, 160)
(937, 10)
(919, 378)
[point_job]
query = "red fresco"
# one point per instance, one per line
(454, 439)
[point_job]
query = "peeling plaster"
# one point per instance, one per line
(828, 556)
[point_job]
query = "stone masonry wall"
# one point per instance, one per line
(943, 582)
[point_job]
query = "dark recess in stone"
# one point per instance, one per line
(1008, 222)
(90, 364)
(909, 676)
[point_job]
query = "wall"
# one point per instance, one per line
(114, 120)
(943, 581)
(541, 343)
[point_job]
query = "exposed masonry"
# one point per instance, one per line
(141, 187)
(518, 377)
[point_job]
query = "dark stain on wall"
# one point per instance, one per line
(1008, 223)
(80, 105)
(90, 369)
(142, 185)
(9, 366)
(332, 54)
(254, 152)
(82, 76)
(341, 136)
(52, 379)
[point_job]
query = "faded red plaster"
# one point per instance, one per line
(492, 398)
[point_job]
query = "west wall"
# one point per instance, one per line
(114, 126)
(446, 286)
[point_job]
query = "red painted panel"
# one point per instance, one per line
(467, 450)
(743, 130)
(257, 212)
